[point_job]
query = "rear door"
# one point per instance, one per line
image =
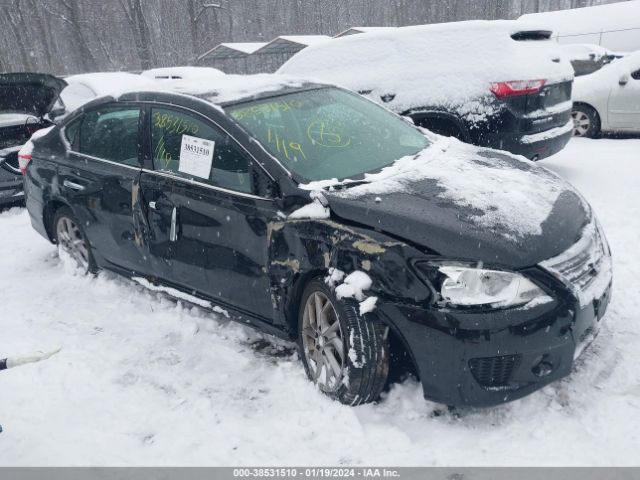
(207, 212)
(100, 179)
(624, 104)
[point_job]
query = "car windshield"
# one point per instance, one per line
(328, 133)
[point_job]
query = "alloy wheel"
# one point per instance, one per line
(323, 342)
(71, 241)
(581, 123)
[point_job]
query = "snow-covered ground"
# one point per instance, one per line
(142, 380)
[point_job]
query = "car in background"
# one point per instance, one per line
(608, 100)
(182, 73)
(28, 101)
(316, 215)
(498, 84)
(85, 87)
(586, 58)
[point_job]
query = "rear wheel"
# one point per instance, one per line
(586, 122)
(344, 354)
(72, 241)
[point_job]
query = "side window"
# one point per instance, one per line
(636, 75)
(112, 134)
(187, 146)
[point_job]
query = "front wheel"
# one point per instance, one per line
(72, 241)
(344, 354)
(586, 122)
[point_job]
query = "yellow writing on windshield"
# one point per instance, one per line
(325, 134)
(282, 145)
(265, 109)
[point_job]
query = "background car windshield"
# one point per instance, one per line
(328, 133)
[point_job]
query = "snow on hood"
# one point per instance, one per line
(442, 64)
(602, 81)
(506, 194)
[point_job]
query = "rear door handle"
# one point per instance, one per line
(73, 186)
(173, 232)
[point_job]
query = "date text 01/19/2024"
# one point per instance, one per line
(316, 472)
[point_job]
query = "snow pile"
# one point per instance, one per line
(313, 210)
(502, 189)
(354, 286)
(443, 64)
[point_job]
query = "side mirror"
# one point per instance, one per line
(624, 79)
(57, 111)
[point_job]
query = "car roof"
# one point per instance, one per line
(227, 89)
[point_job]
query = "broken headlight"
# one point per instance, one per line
(468, 286)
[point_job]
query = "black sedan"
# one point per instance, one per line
(314, 214)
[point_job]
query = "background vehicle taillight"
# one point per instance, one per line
(516, 87)
(23, 161)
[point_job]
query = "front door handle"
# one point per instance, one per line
(173, 233)
(73, 186)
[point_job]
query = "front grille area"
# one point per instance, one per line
(492, 372)
(586, 266)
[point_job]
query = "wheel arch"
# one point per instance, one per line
(49, 213)
(438, 121)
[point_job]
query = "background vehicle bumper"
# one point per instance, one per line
(533, 150)
(462, 363)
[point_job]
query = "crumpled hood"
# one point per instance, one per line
(468, 203)
(30, 93)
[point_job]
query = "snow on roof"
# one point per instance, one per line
(176, 73)
(291, 43)
(233, 50)
(225, 88)
(104, 82)
(585, 51)
(442, 64)
(614, 25)
(355, 30)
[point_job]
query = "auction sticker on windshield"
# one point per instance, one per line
(196, 156)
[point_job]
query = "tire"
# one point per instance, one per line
(586, 121)
(364, 363)
(71, 240)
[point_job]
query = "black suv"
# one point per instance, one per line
(315, 215)
(497, 84)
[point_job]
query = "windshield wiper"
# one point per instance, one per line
(342, 186)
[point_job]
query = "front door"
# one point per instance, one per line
(624, 104)
(100, 180)
(207, 219)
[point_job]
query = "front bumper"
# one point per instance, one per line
(485, 359)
